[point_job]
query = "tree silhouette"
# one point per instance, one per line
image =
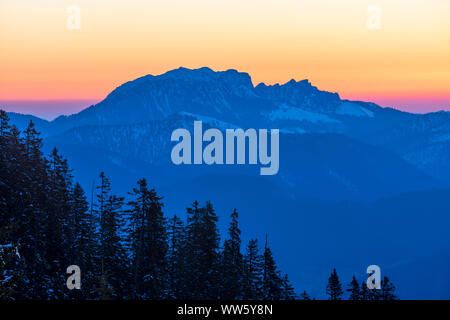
(232, 263)
(355, 293)
(387, 290)
(334, 287)
(305, 296)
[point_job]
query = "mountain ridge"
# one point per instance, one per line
(207, 74)
(295, 107)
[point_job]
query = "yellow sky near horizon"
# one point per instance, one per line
(325, 41)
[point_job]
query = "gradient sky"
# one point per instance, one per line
(404, 64)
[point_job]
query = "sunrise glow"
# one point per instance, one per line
(405, 61)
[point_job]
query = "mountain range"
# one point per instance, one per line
(358, 184)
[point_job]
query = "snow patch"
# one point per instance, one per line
(285, 112)
(209, 120)
(292, 131)
(352, 109)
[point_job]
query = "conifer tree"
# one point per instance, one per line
(354, 290)
(253, 271)
(272, 284)
(193, 251)
(305, 296)
(364, 293)
(387, 290)
(334, 287)
(104, 290)
(375, 294)
(58, 223)
(232, 266)
(111, 252)
(84, 246)
(202, 253)
(175, 259)
(287, 289)
(210, 256)
(148, 238)
(33, 182)
(5, 286)
(4, 123)
(13, 204)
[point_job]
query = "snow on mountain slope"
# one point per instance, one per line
(352, 109)
(285, 112)
(210, 121)
(422, 140)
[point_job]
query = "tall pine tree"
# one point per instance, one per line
(253, 272)
(176, 269)
(387, 290)
(148, 241)
(355, 292)
(202, 253)
(84, 245)
(272, 284)
(232, 264)
(334, 287)
(112, 254)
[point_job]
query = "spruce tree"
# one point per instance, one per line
(193, 251)
(58, 224)
(202, 253)
(374, 294)
(334, 287)
(387, 290)
(232, 266)
(6, 286)
(355, 293)
(305, 296)
(364, 293)
(176, 260)
(111, 251)
(84, 246)
(210, 256)
(253, 272)
(104, 290)
(16, 211)
(148, 241)
(272, 284)
(287, 289)
(4, 123)
(35, 214)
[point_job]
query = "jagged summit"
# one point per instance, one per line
(238, 82)
(183, 73)
(230, 76)
(292, 82)
(228, 96)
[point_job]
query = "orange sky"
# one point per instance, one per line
(326, 41)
